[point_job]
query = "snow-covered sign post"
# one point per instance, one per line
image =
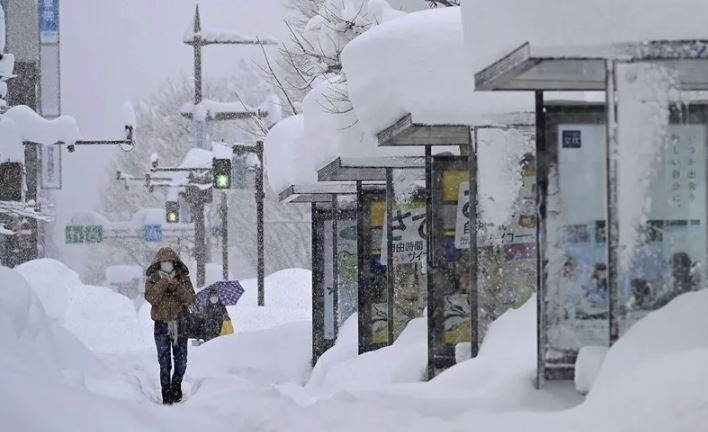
(635, 237)
(376, 289)
(334, 252)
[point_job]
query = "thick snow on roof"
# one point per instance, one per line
(288, 157)
(417, 64)
(330, 134)
(33, 127)
(221, 150)
(210, 108)
(215, 35)
(510, 23)
(197, 158)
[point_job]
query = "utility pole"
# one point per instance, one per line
(198, 41)
(260, 197)
(225, 236)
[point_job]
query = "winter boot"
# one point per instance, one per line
(176, 394)
(167, 396)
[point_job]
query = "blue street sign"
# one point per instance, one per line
(49, 21)
(153, 233)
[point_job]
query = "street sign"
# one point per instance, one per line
(462, 223)
(74, 234)
(93, 233)
(152, 233)
(51, 167)
(49, 21)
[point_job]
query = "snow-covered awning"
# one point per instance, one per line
(585, 67)
(320, 192)
(214, 110)
(493, 28)
(366, 169)
(414, 68)
(211, 36)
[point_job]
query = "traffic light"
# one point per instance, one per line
(172, 211)
(11, 179)
(222, 173)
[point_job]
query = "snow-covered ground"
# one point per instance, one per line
(259, 379)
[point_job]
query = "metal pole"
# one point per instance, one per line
(612, 225)
(199, 123)
(541, 194)
(335, 264)
(429, 259)
(474, 287)
(260, 197)
(197, 202)
(390, 274)
(225, 236)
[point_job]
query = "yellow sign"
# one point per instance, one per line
(451, 183)
(378, 214)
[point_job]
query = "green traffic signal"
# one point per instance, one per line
(222, 173)
(172, 217)
(223, 181)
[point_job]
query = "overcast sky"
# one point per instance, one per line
(118, 50)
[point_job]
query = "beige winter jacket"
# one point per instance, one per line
(169, 297)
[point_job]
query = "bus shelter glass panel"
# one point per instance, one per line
(449, 311)
(506, 236)
(408, 247)
(661, 185)
(575, 308)
(329, 287)
(322, 336)
(347, 264)
(372, 294)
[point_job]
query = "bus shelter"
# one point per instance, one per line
(451, 243)
(506, 215)
(386, 303)
(334, 283)
(621, 186)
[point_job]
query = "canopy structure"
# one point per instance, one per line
(584, 68)
(366, 169)
(316, 192)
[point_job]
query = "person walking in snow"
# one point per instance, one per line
(169, 291)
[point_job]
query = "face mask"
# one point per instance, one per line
(214, 299)
(167, 266)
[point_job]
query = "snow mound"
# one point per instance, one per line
(403, 362)
(279, 355)
(678, 327)
(288, 298)
(102, 319)
(416, 64)
(34, 128)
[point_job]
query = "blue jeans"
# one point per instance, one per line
(166, 348)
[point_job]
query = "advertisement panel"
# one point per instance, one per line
(449, 311)
(347, 280)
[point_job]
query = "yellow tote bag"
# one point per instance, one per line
(227, 328)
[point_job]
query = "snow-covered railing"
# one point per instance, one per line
(212, 36)
(21, 209)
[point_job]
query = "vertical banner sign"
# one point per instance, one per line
(462, 224)
(328, 251)
(51, 167)
(347, 281)
(449, 312)
(49, 21)
(372, 295)
(50, 81)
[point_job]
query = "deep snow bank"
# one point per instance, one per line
(102, 319)
(288, 298)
